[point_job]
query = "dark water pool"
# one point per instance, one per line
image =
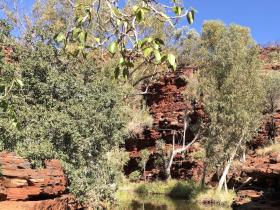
(132, 201)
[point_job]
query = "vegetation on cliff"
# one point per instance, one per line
(59, 99)
(72, 89)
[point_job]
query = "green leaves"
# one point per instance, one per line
(159, 41)
(19, 82)
(139, 12)
(122, 35)
(88, 10)
(172, 61)
(60, 37)
(190, 16)
(177, 10)
(147, 51)
(157, 55)
(76, 32)
(82, 37)
(113, 47)
(140, 15)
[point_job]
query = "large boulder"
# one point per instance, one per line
(22, 187)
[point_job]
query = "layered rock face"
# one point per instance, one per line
(269, 130)
(166, 104)
(27, 188)
(168, 107)
(266, 54)
(263, 191)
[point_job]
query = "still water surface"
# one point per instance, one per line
(132, 201)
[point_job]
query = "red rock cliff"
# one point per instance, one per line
(22, 187)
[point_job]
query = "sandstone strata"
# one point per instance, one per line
(22, 187)
(268, 64)
(263, 192)
(269, 130)
(167, 104)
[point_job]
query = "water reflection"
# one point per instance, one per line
(132, 201)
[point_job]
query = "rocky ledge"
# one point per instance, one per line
(262, 190)
(25, 188)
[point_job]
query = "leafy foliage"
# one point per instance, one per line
(230, 89)
(70, 112)
(144, 155)
(134, 176)
(272, 84)
(120, 28)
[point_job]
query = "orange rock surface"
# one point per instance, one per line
(24, 188)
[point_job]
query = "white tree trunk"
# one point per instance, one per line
(185, 129)
(223, 177)
(226, 170)
(225, 184)
(244, 155)
(176, 151)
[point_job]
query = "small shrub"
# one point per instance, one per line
(143, 189)
(198, 155)
(181, 190)
(269, 149)
(134, 176)
(172, 188)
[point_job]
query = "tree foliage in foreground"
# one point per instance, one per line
(70, 112)
(119, 28)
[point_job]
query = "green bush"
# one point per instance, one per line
(134, 176)
(143, 189)
(198, 155)
(70, 111)
(182, 190)
(171, 188)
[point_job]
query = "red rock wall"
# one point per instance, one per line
(265, 57)
(269, 130)
(167, 106)
(38, 189)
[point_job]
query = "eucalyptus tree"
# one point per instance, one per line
(231, 90)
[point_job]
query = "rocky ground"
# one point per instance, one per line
(263, 189)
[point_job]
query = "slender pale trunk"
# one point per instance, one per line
(225, 185)
(176, 151)
(173, 142)
(223, 177)
(168, 169)
(185, 129)
(226, 170)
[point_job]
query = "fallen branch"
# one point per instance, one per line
(248, 181)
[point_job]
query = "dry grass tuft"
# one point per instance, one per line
(269, 149)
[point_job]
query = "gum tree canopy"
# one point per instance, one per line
(124, 29)
(232, 92)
